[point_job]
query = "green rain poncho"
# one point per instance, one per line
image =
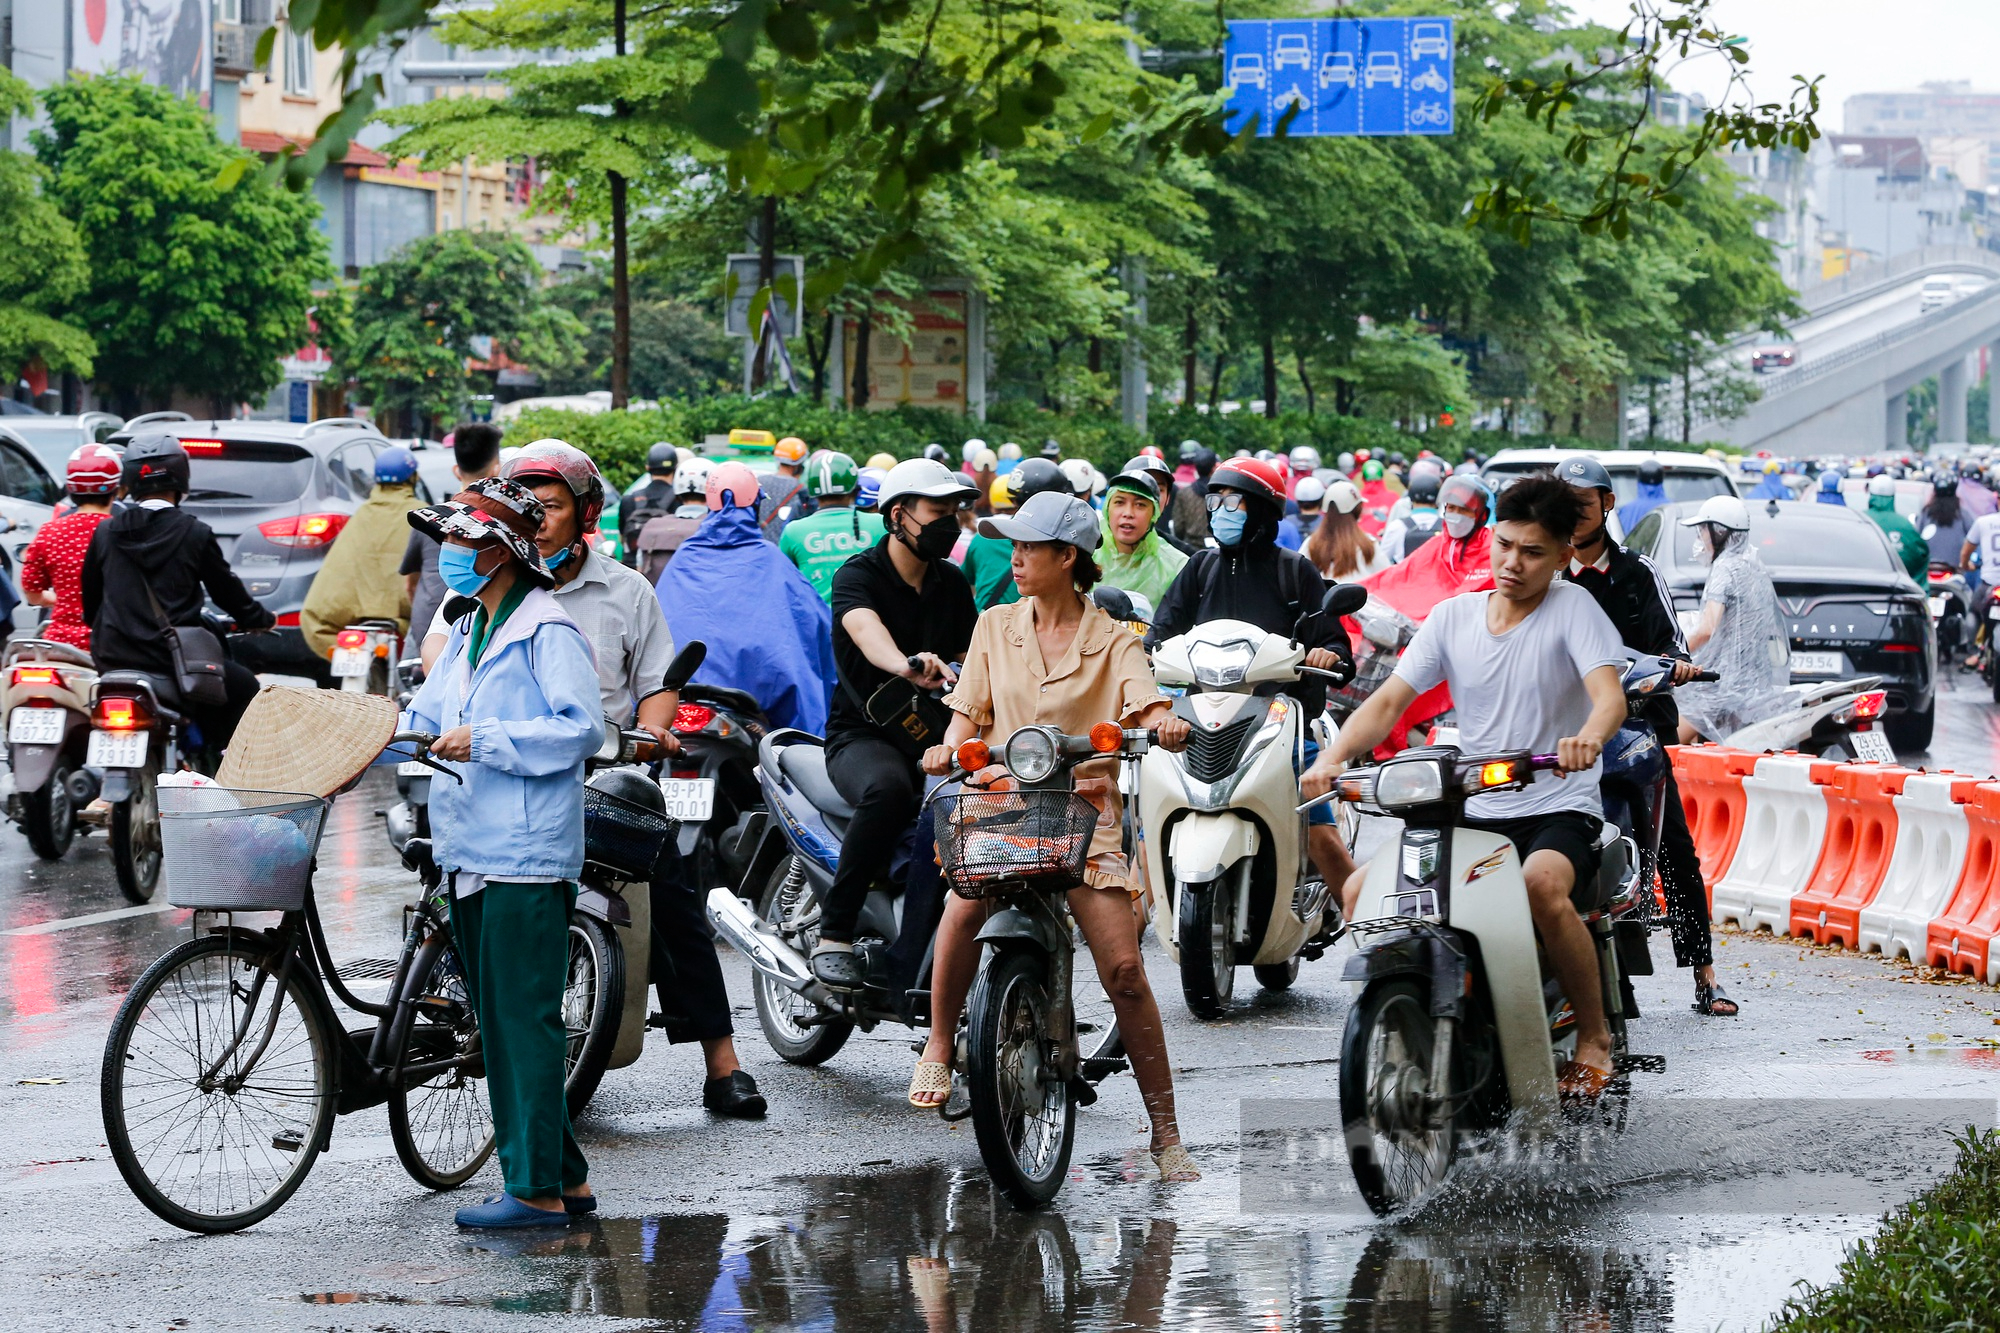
(1914, 550)
(1152, 565)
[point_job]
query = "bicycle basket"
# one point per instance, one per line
(236, 850)
(622, 836)
(994, 842)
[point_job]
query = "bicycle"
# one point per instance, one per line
(226, 1066)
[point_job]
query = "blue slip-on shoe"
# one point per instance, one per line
(500, 1212)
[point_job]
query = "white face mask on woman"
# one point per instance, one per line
(1459, 525)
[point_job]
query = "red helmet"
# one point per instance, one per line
(92, 470)
(1254, 478)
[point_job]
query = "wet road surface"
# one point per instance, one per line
(1735, 1174)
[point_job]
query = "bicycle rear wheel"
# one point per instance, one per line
(207, 1139)
(443, 1125)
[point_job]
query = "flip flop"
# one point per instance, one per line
(1581, 1082)
(931, 1076)
(1707, 997)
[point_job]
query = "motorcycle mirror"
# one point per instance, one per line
(1344, 599)
(686, 662)
(1114, 602)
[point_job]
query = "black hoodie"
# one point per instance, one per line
(176, 554)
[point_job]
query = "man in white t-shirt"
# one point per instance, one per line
(1533, 665)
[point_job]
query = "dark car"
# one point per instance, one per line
(1850, 607)
(276, 493)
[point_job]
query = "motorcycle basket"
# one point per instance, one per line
(996, 842)
(623, 836)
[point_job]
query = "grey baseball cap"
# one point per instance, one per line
(1048, 516)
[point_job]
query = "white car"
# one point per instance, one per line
(1337, 67)
(1246, 70)
(1428, 39)
(1384, 67)
(1293, 49)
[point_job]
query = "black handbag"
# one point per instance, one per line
(198, 655)
(909, 719)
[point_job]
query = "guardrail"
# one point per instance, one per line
(1899, 266)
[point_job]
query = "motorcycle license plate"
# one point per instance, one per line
(116, 749)
(350, 662)
(690, 800)
(1872, 747)
(36, 726)
(1816, 664)
(1993, 611)
(1937, 606)
(411, 768)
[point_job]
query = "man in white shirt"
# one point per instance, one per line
(1533, 665)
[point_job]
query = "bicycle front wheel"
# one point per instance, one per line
(593, 1002)
(218, 1085)
(441, 1123)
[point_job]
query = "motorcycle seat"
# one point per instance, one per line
(48, 650)
(736, 701)
(805, 766)
(165, 696)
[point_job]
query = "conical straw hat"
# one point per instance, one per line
(313, 741)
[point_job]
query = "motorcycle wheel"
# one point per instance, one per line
(1023, 1118)
(135, 838)
(49, 815)
(1208, 972)
(593, 1000)
(780, 1011)
(1396, 1153)
(1277, 976)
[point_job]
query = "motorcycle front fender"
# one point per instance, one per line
(1205, 845)
(605, 905)
(1011, 925)
(636, 939)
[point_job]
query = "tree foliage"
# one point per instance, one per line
(192, 285)
(46, 266)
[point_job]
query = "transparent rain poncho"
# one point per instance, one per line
(1749, 650)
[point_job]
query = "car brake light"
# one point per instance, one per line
(289, 620)
(351, 638)
(119, 714)
(33, 675)
(693, 717)
(1900, 648)
(202, 446)
(304, 530)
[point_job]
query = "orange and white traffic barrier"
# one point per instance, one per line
(1932, 836)
(1784, 822)
(1710, 778)
(1960, 937)
(1853, 853)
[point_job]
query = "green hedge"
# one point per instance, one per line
(619, 440)
(1933, 1268)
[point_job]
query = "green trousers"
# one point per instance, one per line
(514, 942)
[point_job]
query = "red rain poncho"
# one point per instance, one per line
(1442, 567)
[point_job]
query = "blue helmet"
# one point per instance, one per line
(1829, 480)
(395, 465)
(868, 487)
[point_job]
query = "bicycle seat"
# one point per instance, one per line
(805, 766)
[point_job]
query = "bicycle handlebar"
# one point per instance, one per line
(422, 741)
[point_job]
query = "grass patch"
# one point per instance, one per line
(1935, 1266)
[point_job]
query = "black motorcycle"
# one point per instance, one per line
(711, 786)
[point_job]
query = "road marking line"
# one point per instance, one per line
(95, 918)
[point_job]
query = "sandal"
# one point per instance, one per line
(1581, 1082)
(932, 1076)
(1175, 1165)
(1709, 999)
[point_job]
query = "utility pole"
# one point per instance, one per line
(621, 274)
(767, 277)
(1132, 382)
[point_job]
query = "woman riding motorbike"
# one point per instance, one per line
(1054, 658)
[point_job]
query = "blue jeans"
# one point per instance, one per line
(1321, 816)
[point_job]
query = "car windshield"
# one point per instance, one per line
(53, 442)
(1800, 537)
(263, 473)
(1684, 486)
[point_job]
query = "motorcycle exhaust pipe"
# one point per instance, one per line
(753, 937)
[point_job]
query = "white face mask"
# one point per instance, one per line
(1460, 526)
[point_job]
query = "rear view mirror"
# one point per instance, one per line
(686, 662)
(1344, 599)
(1114, 602)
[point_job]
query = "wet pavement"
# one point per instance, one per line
(1768, 1144)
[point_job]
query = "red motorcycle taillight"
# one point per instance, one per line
(37, 675)
(351, 638)
(118, 713)
(693, 717)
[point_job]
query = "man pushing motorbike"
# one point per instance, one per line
(1533, 665)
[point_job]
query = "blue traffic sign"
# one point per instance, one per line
(1345, 76)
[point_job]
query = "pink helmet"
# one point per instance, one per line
(739, 481)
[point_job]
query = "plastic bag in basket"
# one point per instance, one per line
(206, 794)
(272, 847)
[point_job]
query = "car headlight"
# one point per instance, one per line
(1221, 664)
(1417, 782)
(1031, 754)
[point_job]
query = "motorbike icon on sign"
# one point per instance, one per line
(1430, 81)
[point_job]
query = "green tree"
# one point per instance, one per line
(677, 348)
(194, 284)
(45, 268)
(421, 314)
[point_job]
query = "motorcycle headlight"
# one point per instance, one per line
(1414, 782)
(1221, 664)
(1031, 754)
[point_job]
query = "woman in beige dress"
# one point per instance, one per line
(1055, 659)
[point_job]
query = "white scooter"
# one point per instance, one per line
(1227, 863)
(1836, 718)
(1459, 1027)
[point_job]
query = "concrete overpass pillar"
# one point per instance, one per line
(1897, 435)
(1953, 381)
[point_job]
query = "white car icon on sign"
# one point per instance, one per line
(1293, 49)
(1383, 67)
(1428, 39)
(1336, 67)
(1246, 70)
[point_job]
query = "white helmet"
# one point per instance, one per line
(1343, 496)
(924, 477)
(691, 478)
(1080, 474)
(1304, 458)
(1345, 462)
(970, 449)
(1723, 511)
(1309, 491)
(1882, 485)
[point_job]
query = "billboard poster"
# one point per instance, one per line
(164, 42)
(930, 369)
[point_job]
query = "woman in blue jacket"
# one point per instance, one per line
(514, 702)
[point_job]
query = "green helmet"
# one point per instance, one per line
(830, 473)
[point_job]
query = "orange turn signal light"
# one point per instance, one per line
(973, 755)
(1106, 737)
(1496, 774)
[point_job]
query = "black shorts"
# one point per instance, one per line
(1571, 832)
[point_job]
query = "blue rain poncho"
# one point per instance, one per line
(768, 633)
(1651, 495)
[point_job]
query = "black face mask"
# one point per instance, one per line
(934, 540)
